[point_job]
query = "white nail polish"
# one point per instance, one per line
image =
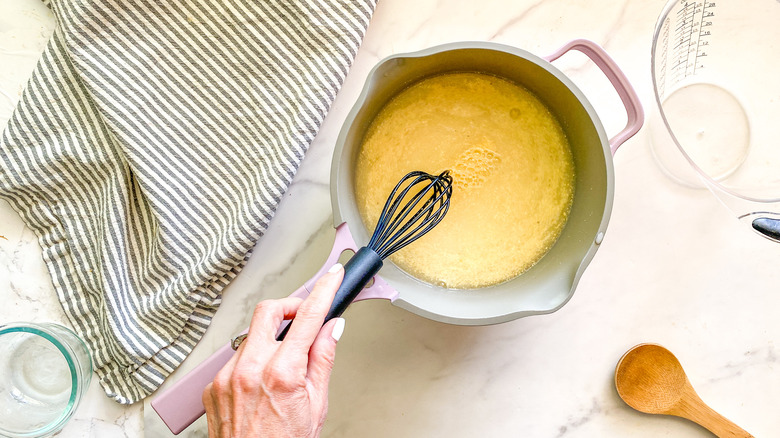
(335, 268)
(338, 329)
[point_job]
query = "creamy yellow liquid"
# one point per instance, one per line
(512, 168)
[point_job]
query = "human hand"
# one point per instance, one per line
(279, 389)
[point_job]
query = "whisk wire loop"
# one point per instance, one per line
(389, 220)
(402, 223)
(404, 235)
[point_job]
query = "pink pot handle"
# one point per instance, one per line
(181, 404)
(345, 241)
(636, 115)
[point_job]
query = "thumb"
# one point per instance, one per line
(322, 354)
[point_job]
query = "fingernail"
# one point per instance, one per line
(335, 268)
(338, 329)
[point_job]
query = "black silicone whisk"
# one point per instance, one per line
(417, 204)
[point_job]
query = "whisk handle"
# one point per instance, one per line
(358, 271)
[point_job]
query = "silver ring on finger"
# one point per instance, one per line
(236, 342)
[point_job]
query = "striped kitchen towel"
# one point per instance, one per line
(149, 152)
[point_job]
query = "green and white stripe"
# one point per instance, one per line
(150, 149)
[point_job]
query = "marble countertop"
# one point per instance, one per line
(675, 267)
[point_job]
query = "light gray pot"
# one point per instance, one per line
(550, 283)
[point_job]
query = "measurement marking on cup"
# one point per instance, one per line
(690, 40)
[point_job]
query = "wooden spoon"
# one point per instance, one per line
(650, 379)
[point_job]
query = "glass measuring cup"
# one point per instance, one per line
(715, 69)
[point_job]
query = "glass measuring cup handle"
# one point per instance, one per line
(617, 78)
(767, 226)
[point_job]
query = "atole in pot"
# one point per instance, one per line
(545, 287)
(550, 283)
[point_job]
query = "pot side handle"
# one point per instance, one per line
(379, 289)
(618, 79)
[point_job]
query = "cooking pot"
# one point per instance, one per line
(550, 283)
(546, 286)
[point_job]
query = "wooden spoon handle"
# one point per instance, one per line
(722, 427)
(697, 411)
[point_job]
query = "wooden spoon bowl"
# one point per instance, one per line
(650, 379)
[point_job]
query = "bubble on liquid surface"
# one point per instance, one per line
(474, 166)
